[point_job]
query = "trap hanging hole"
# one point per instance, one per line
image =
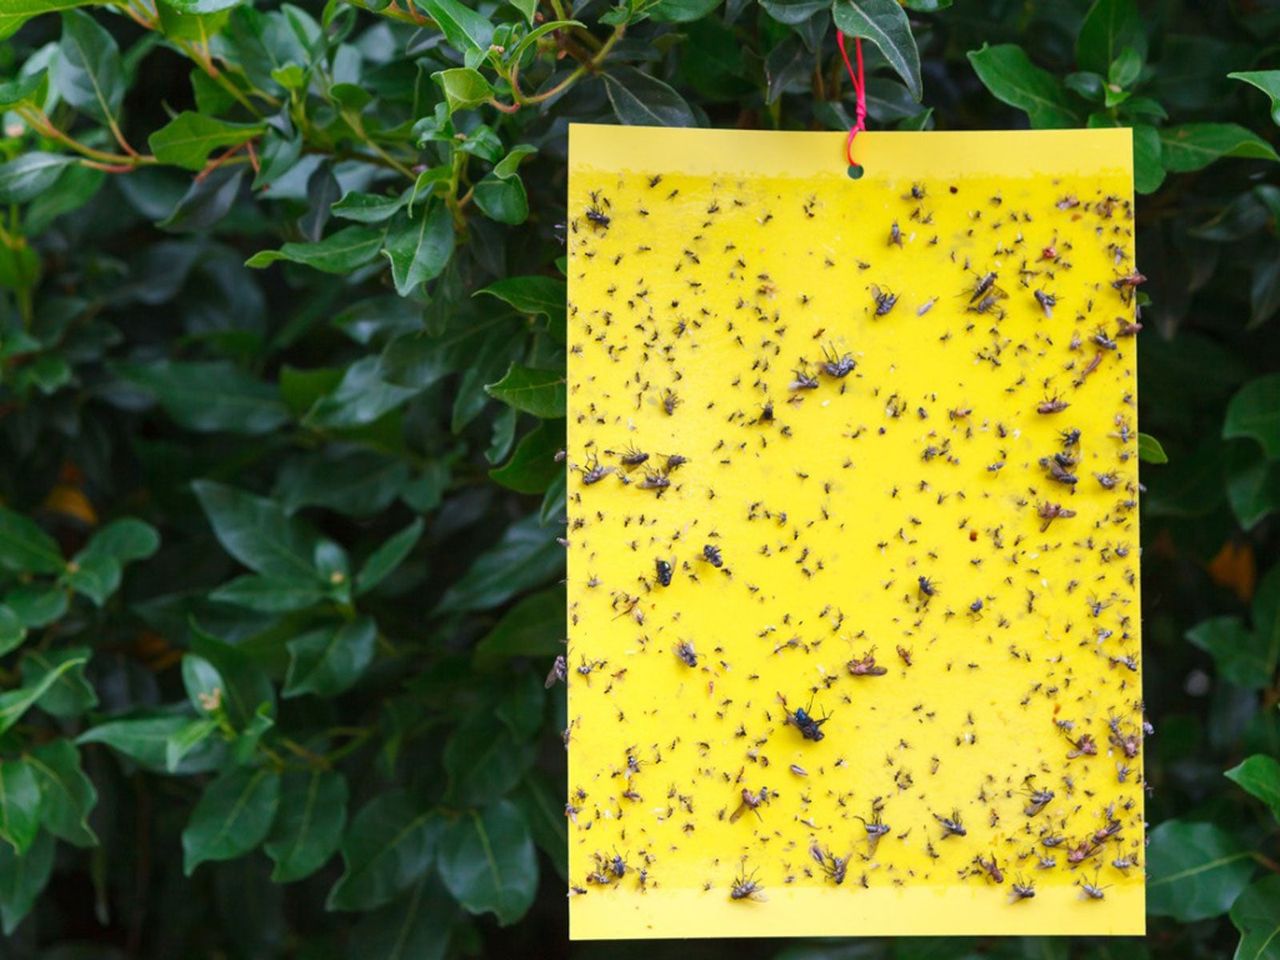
(855, 171)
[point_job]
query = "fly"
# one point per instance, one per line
(688, 656)
(884, 299)
(952, 826)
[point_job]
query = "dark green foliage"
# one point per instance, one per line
(282, 331)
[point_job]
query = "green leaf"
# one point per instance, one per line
(89, 73)
(526, 556)
(67, 795)
(1109, 27)
(23, 878)
(536, 296)
(145, 739)
(233, 816)
(639, 99)
(210, 397)
(338, 253)
(1193, 146)
(187, 140)
(15, 703)
(1256, 914)
(463, 87)
(23, 91)
(31, 174)
(19, 805)
(124, 540)
(484, 759)
(1148, 166)
(416, 926)
(330, 659)
(368, 207)
(466, 30)
(270, 594)
(1252, 482)
(390, 844)
(12, 630)
(487, 862)
(70, 694)
(1237, 652)
(540, 392)
(502, 199)
(1268, 81)
(201, 6)
(246, 688)
(681, 11)
(1149, 449)
(25, 548)
(1012, 78)
(361, 397)
(383, 561)
(258, 532)
(1194, 870)
(1255, 412)
(533, 466)
(541, 802)
(308, 826)
(1259, 775)
(884, 23)
(418, 245)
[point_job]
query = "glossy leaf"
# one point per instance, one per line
(638, 98)
(22, 878)
(70, 694)
(540, 392)
(308, 826)
(1255, 412)
(1260, 776)
(1256, 914)
(391, 843)
(383, 561)
(19, 805)
(417, 925)
(25, 548)
(89, 73)
(330, 659)
(258, 532)
(233, 816)
(1195, 870)
(14, 703)
(465, 29)
(1149, 449)
(419, 245)
(26, 177)
(884, 23)
(67, 795)
(187, 140)
(487, 861)
(1268, 81)
(526, 557)
(1012, 78)
(1193, 146)
(339, 252)
(210, 396)
(1110, 27)
(1240, 654)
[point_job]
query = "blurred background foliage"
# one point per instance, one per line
(281, 384)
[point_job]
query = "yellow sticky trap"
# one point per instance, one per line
(880, 437)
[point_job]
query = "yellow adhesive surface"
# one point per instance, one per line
(712, 275)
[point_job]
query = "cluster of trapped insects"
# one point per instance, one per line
(852, 527)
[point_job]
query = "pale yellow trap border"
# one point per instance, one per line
(953, 909)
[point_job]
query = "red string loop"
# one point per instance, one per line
(859, 92)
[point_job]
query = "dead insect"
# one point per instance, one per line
(1047, 302)
(917, 192)
(810, 728)
(803, 381)
(1084, 746)
(745, 886)
(905, 655)
(866, 666)
(1058, 471)
(1090, 891)
(631, 457)
(952, 826)
(1081, 852)
(985, 282)
(875, 827)
(670, 401)
(884, 299)
(750, 801)
(1048, 512)
(598, 217)
(686, 653)
(766, 413)
(1127, 284)
(593, 472)
(926, 306)
(711, 554)
(559, 671)
(990, 868)
(663, 571)
(975, 608)
(834, 867)
(655, 480)
(837, 365)
(675, 461)
(1022, 890)
(927, 588)
(1108, 480)
(1037, 800)
(1052, 405)
(1069, 438)
(895, 235)
(1101, 339)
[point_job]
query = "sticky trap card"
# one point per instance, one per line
(853, 576)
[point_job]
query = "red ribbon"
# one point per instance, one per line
(859, 92)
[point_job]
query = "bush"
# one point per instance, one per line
(281, 334)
